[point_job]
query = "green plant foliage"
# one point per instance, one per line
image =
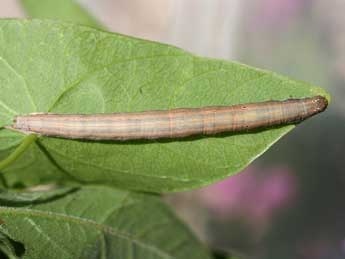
(94, 222)
(66, 10)
(51, 66)
(9, 248)
(13, 198)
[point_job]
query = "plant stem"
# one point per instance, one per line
(18, 151)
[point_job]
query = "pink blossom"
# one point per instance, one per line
(251, 194)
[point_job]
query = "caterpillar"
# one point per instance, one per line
(175, 123)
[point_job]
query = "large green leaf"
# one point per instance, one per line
(48, 66)
(97, 222)
(67, 10)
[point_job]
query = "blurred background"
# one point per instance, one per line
(289, 202)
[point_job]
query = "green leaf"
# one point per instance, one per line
(49, 66)
(99, 222)
(11, 198)
(9, 248)
(66, 10)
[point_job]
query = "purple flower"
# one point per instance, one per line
(251, 194)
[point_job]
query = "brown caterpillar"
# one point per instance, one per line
(176, 123)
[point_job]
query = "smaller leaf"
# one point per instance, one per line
(97, 222)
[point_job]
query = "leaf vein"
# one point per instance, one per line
(23, 79)
(90, 74)
(82, 221)
(50, 240)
